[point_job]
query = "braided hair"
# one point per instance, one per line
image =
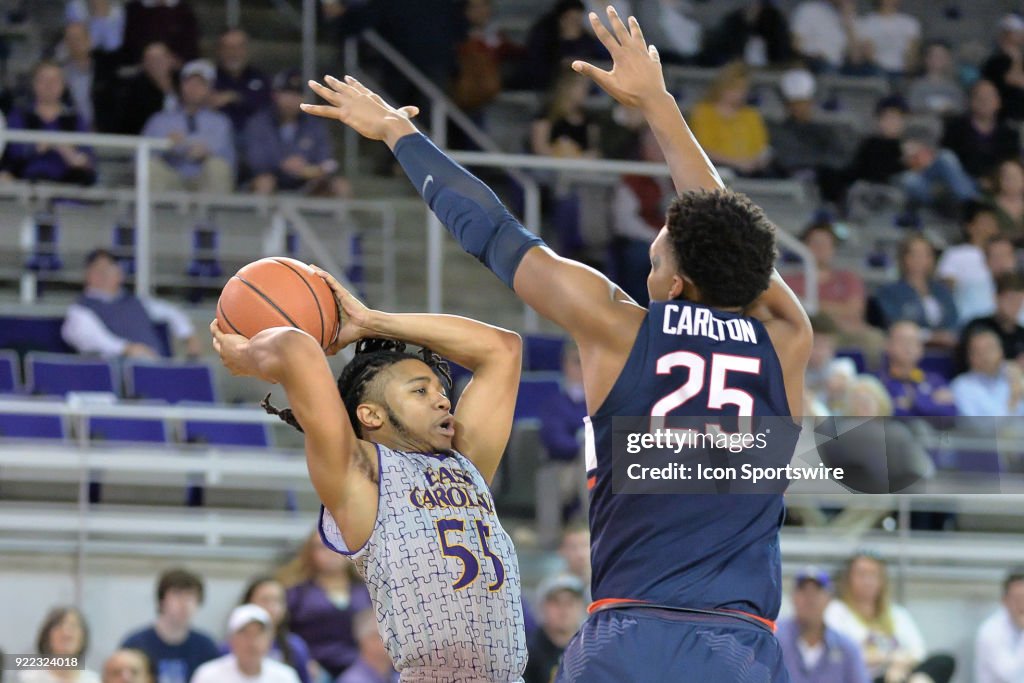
(371, 356)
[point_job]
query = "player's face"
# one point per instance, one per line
(1014, 601)
(663, 282)
(270, 596)
(419, 403)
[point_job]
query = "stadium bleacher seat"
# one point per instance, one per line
(940, 363)
(170, 381)
(53, 374)
(9, 374)
(227, 434)
(129, 430)
(535, 389)
(543, 353)
(21, 426)
(29, 333)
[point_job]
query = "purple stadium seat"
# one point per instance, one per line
(534, 392)
(25, 333)
(31, 426)
(57, 374)
(543, 353)
(940, 363)
(169, 381)
(977, 462)
(227, 434)
(9, 381)
(126, 429)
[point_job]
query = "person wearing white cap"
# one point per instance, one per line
(1005, 67)
(202, 157)
(249, 635)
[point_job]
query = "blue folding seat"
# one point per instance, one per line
(9, 374)
(543, 353)
(131, 430)
(20, 426)
(55, 374)
(227, 433)
(170, 381)
(534, 393)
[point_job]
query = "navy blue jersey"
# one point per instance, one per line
(710, 552)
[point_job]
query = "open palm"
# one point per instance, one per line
(358, 107)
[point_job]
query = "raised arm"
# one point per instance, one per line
(598, 315)
(293, 359)
(483, 418)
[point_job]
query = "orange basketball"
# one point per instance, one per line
(278, 292)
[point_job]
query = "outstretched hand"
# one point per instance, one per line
(361, 109)
(636, 77)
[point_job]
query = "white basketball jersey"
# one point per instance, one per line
(442, 573)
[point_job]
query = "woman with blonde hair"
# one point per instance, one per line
(731, 132)
(323, 595)
(890, 641)
(565, 129)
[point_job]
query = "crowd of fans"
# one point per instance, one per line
(311, 622)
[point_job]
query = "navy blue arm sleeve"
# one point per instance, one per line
(470, 211)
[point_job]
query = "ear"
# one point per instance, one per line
(683, 286)
(370, 416)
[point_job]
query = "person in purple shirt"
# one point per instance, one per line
(287, 149)
(914, 392)
(324, 596)
(559, 478)
(813, 652)
(202, 157)
(241, 89)
(42, 161)
(287, 647)
(374, 663)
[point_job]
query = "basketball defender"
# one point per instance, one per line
(404, 483)
(686, 587)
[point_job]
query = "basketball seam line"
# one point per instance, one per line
(222, 314)
(316, 299)
(267, 299)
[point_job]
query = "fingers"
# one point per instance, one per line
(334, 96)
(606, 38)
(339, 87)
(635, 32)
(599, 76)
(353, 82)
(653, 52)
(410, 111)
(620, 30)
(321, 110)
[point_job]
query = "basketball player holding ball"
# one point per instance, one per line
(685, 586)
(403, 481)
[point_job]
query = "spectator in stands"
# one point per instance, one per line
(890, 641)
(562, 612)
(565, 129)
(998, 655)
(152, 90)
(575, 552)
(879, 157)
(127, 666)
(841, 292)
(554, 41)
(484, 58)
(558, 483)
(934, 176)
(109, 321)
(287, 647)
(803, 145)
(732, 132)
(174, 648)
(638, 214)
(64, 633)
(892, 37)
(980, 139)
(104, 19)
(827, 376)
(813, 652)
(918, 296)
(374, 663)
(668, 25)
(241, 89)
(937, 91)
(287, 149)
(203, 152)
(962, 267)
(1005, 322)
(42, 161)
(171, 22)
(914, 392)
(1007, 199)
(323, 595)
(991, 387)
(249, 636)
(79, 71)
(823, 31)
(757, 34)
(1005, 67)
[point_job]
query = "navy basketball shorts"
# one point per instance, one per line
(652, 645)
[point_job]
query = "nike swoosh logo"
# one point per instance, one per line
(427, 182)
